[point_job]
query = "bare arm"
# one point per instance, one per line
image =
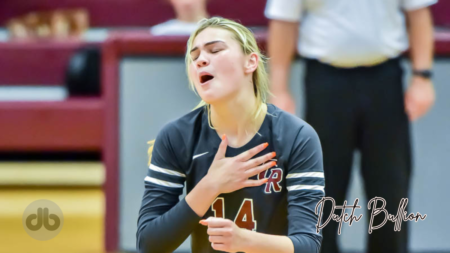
(282, 43)
(420, 28)
(202, 196)
(420, 96)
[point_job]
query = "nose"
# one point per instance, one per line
(202, 61)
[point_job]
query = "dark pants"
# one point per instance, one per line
(362, 108)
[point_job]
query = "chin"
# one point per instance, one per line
(210, 97)
(209, 100)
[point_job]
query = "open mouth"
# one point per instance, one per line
(205, 78)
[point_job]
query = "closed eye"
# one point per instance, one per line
(212, 52)
(194, 57)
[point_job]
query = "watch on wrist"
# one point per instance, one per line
(425, 73)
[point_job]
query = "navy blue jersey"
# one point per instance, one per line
(182, 154)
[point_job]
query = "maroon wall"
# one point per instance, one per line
(441, 13)
(113, 13)
(109, 13)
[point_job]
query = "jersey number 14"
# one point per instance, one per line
(244, 217)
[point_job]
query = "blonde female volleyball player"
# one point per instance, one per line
(256, 188)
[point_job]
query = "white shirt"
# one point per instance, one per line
(348, 33)
(174, 27)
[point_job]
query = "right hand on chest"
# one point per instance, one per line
(229, 174)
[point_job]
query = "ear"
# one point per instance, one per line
(251, 63)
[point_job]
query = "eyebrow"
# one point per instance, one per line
(208, 43)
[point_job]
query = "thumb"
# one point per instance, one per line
(222, 148)
(203, 222)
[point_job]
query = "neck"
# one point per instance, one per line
(192, 15)
(235, 118)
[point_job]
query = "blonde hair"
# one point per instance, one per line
(150, 150)
(247, 41)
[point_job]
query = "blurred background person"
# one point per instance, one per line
(354, 96)
(187, 12)
(55, 24)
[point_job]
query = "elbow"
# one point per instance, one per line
(144, 243)
(147, 242)
(146, 246)
(140, 243)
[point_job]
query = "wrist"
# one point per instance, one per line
(418, 80)
(424, 73)
(209, 186)
(247, 240)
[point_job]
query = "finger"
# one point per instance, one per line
(406, 102)
(423, 107)
(205, 222)
(222, 148)
(409, 113)
(217, 222)
(253, 183)
(259, 160)
(412, 112)
(215, 231)
(218, 246)
(409, 108)
(259, 169)
(246, 155)
(216, 239)
(419, 112)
